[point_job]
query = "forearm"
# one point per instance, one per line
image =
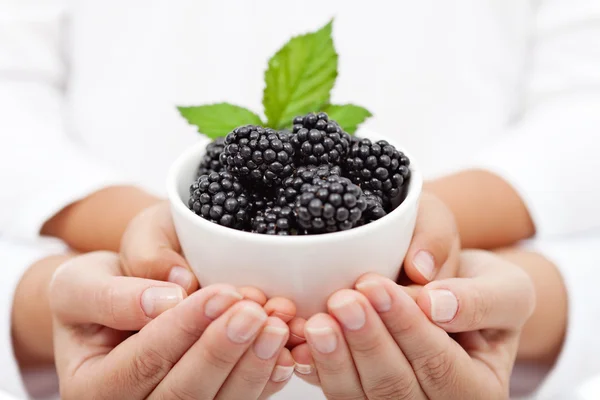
(31, 318)
(543, 335)
(98, 221)
(489, 212)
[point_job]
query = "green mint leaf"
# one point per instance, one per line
(349, 116)
(216, 120)
(299, 77)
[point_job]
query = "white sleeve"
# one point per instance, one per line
(579, 361)
(17, 257)
(41, 168)
(551, 154)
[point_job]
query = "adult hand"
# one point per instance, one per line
(434, 252)
(210, 345)
(377, 342)
(150, 249)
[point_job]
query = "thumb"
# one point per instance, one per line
(150, 249)
(494, 294)
(435, 247)
(103, 297)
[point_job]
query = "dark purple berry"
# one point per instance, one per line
(259, 155)
(219, 198)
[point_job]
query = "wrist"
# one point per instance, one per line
(489, 212)
(98, 221)
(31, 319)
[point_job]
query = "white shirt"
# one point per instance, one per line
(88, 91)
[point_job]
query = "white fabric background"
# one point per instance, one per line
(88, 92)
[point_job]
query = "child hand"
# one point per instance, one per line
(150, 249)
(435, 248)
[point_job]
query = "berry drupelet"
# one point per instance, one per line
(210, 162)
(374, 210)
(318, 140)
(259, 155)
(290, 186)
(330, 205)
(379, 168)
(275, 221)
(219, 197)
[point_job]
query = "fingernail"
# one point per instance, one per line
(181, 276)
(282, 373)
(269, 341)
(347, 310)
(377, 295)
(220, 302)
(245, 323)
(444, 305)
(323, 339)
(425, 264)
(303, 369)
(156, 300)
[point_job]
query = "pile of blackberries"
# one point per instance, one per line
(315, 179)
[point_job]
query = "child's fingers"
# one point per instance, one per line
(435, 246)
(281, 308)
(296, 332)
(253, 294)
(305, 364)
(150, 249)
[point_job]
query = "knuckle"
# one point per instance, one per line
(435, 370)
(401, 324)
(332, 368)
(392, 387)
(179, 392)
(479, 308)
(220, 358)
(255, 377)
(331, 395)
(140, 264)
(366, 347)
(149, 365)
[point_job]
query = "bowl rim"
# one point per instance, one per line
(411, 200)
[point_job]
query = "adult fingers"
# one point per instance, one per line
(497, 295)
(201, 372)
(332, 358)
(443, 368)
(383, 370)
(283, 371)
(102, 297)
(140, 363)
(435, 245)
(150, 249)
(252, 373)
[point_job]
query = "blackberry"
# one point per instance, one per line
(330, 205)
(259, 201)
(379, 168)
(306, 174)
(318, 140)
(374, 209)
(275, 221)
(220, 198)
(210, 162)
(259, 155)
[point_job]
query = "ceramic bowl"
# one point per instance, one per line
(306, 269)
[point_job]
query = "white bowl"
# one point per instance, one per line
(306, 269)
